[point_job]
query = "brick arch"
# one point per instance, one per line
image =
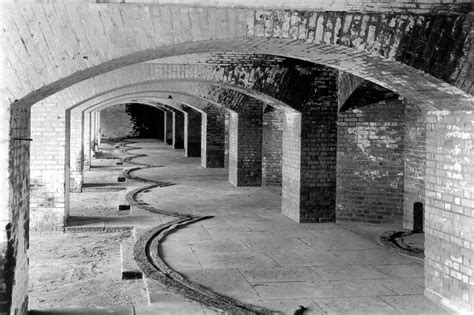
(97, 40)
(93, 44)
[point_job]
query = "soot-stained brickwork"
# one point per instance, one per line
(370, 163)
(131, 121)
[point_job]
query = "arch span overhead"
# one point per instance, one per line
(93, 44)
(378, 44)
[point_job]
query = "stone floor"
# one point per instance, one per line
(250, 252)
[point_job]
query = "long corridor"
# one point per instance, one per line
(247, 250)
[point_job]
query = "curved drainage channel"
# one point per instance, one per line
(394, 239)
(147, 254)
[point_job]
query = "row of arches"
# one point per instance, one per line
(82, 63)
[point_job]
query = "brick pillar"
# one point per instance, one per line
(178, 129)
(245, 145)
(98, 130)
(163, 124)
(192, 132)
(226, 139)
(309, 160)
(87, 139)
(49, 193)
(94, 122)
(414, 156)
(14, 213)
(272, 150)
(76, 156)
(449, 208)
(168, 126)
(212, 137)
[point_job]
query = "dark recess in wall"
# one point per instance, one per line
(146, 120)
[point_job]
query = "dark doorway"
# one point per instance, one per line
(418, 217)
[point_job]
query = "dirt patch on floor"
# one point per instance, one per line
(79, 270)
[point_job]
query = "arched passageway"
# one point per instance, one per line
(447, 109)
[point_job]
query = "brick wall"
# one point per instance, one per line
(370, 163)
(272, 146)
(449, 210)
(415, 161)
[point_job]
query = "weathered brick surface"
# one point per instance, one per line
(449, 211)
(272, 146)
(370, 163)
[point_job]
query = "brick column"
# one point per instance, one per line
(98, 129)
(178, 129)
(87, 140)
(14, 213)
(449, 209)
(168, 126)
(76, 156)
(94, 130)
(245, 145)
(192, 132)
(272, 150)
(226, 139)
(49, 193)
(163, 123)
(212, 137)
(309, 160)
